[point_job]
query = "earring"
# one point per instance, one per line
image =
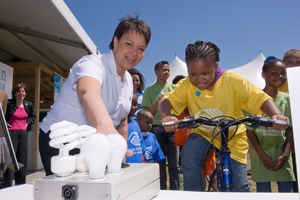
(114, 50)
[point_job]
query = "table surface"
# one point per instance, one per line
(25, 192)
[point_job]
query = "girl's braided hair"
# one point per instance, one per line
(202, 50)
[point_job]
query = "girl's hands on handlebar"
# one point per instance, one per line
(170, 128)
(280, 127)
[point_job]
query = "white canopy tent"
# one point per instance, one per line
(251, 71)
(37, 39)
(43, 31)
(177, 67)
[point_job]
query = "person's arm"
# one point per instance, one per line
(266, 160)
(8, 113)
(31, 115)
(271, 109)
(89, 94)
(287, 149)
(122, 128)
(154, 106)
(164, 109)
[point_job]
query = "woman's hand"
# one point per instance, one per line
(170, 128)
(8, 125)
(128, 153)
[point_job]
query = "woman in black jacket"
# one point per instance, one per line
(20, 117)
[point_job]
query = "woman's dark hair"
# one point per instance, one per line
(202, 50)
(129, 24)
(177, 79)
(17, 87)
(142, 79)
(268, 64)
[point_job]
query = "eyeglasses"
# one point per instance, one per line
(164, 62)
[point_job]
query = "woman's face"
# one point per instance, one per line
(20, 94)
(136, 81)
(129, 50)
(202, 73)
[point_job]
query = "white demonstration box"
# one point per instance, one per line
(139, 181)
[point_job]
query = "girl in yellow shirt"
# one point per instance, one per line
(211, 91)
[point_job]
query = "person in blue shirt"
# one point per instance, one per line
(135, 141)
(138, 81)
(153, 152)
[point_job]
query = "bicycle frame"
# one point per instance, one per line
(226, 185)
(224, 124)
(222, 181)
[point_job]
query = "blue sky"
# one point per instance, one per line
(241, 29)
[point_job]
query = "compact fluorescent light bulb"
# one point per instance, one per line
(96, 151)
(61, 133)
(119, 147)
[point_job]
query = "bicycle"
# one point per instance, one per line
(222, 174)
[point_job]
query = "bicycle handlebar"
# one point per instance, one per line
(252, 120)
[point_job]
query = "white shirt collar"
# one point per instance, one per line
(111, 63)
(112, 67)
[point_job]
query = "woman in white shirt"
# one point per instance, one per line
(98, 90)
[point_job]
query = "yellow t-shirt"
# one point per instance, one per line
(230, 94)
(284, 88)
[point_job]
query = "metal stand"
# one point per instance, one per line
(3, 166)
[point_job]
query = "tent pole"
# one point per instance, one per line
(37, 111)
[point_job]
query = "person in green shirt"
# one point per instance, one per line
(152, 96)
(270, 149)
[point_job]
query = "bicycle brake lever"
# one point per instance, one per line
(279, 122)
(188, 122)
(181, 121)
(170, 123)
(263, 121)
(183, 125)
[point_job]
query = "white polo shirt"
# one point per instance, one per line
(116, 94)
